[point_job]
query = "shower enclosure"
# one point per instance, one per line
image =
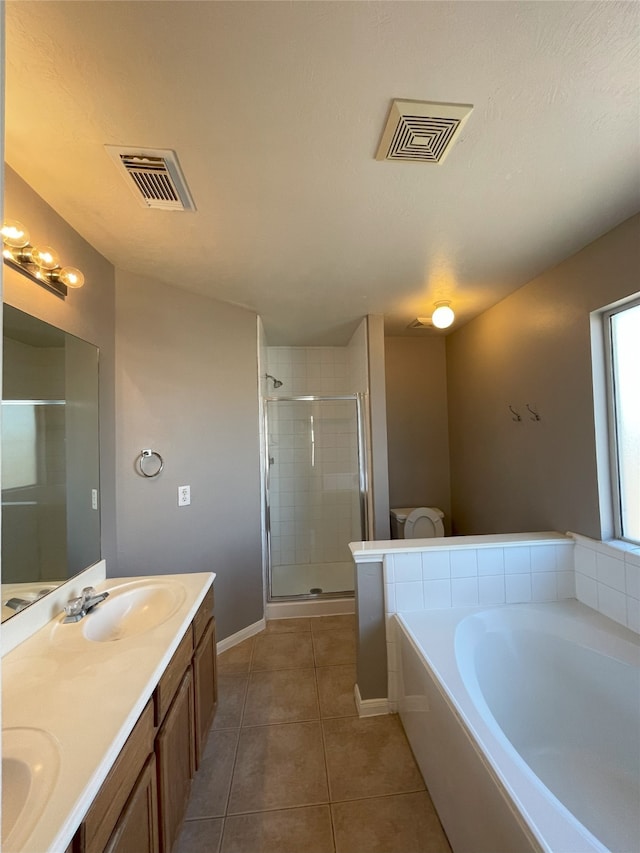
(316, 487)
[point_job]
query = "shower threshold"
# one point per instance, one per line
(312, 580)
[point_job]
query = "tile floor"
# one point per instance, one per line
(290, 768)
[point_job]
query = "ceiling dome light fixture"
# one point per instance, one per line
(443, 315)
(40, 264)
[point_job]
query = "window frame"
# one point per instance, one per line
(612, 422)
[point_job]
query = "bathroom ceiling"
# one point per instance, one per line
(276, 110)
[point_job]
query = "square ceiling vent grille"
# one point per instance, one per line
(423, 131)
(154, 175)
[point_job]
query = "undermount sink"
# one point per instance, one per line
(30, 766)
(132, 609)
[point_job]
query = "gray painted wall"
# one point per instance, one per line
(534, 347)
(187, 386)
(378, 426)
(371, 662)
(88, 313)
(417, 423)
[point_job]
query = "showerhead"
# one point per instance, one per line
(276, 382)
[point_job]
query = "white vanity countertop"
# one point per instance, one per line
(88, 696)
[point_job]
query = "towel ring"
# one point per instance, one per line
(147, 454)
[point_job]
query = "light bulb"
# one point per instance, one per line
(14, 234)
(443, 316)
(71, 277)
(45, 257)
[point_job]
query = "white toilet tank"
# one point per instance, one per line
(416, 522)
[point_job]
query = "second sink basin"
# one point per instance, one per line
(132, 609)
(30, 766)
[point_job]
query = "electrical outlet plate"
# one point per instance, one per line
(184, 495)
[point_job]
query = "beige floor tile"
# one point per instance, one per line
(210, 789)
(281, 696)
(306, 830)
(332, 648)
(237, 658)
(404, 823)
(279, 767)
(335, 690)
(282, 651)
(287, 626)
(333, 623)
(231, 692)
(199, 836)
(369, 757)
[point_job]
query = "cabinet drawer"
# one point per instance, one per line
(105, 810)
(201, 619)
(173, 675)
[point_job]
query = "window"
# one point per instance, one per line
(622, 330)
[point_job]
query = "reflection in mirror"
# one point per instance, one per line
(50, 459)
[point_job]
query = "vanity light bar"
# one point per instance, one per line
(39, 263)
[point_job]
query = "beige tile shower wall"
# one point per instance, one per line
(331, 520)
(311, 485)
(608, 579)
(314, 371)
(462, 576)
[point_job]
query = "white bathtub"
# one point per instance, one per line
(525, 721)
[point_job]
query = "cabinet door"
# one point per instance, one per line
(137, 828)
(104, 813)
(175, 755)
(206, 693)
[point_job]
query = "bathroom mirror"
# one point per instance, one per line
(50, 458)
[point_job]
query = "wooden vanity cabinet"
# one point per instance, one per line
(204, 675)
(175, 754)
(137, 827)
(103, 820)
(142, 802)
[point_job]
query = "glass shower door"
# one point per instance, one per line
(314, 495)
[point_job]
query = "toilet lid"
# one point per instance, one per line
(423, 523)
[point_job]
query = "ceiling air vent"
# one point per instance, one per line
(155, 177)
(421, 323)
(418, 130)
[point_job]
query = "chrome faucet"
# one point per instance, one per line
(77, 608)
(18, 604)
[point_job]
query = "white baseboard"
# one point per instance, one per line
(370, 707)
(239, 636)
(298, 609)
